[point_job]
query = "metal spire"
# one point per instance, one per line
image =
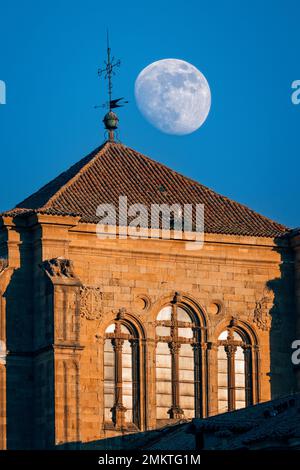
(110, 119)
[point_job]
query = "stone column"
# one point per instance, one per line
(175, 411)
(212, 386)
(118, 410)
(230, 351)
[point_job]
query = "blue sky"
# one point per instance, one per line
(248, 50)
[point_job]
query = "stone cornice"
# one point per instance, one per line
(38, 219)
(67, 221)
(90, 229)
(175, 256)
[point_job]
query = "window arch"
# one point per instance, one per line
(178, 363)
(235, 369)
(121, 376)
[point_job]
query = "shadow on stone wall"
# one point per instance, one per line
(19, 370)
(28, 397)
(283, 324)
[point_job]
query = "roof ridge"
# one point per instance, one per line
(226, 198)
(97, 152)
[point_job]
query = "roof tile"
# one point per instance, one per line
(115, 169)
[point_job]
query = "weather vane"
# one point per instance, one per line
(110, 120)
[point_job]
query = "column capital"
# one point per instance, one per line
(117, 344)
(200, 346)
(230, 349)
(134, 344)
(174, 347)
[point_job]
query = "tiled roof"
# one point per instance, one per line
(276, 420)
(115, 169)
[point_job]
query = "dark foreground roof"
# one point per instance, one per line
(114, 169)
(269, 425)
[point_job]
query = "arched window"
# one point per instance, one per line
(235, 387)
(121, 376)
(178, 363)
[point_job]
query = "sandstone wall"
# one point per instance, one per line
(57, 335)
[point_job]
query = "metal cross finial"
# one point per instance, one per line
(110, 120)
(108, 71)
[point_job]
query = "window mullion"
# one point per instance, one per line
(175, 411)
(198, 360)
(135, 381)
(118, 410)
(230, 351)
(248, 378)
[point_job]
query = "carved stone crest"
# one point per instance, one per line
(261, 314)
(91, 306)
(59, 267)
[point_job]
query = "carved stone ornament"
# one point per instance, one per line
(3, 264)
(176, 298)
(91, 305)
(261, 314)
(59, 267)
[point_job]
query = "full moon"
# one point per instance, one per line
(173, 95)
